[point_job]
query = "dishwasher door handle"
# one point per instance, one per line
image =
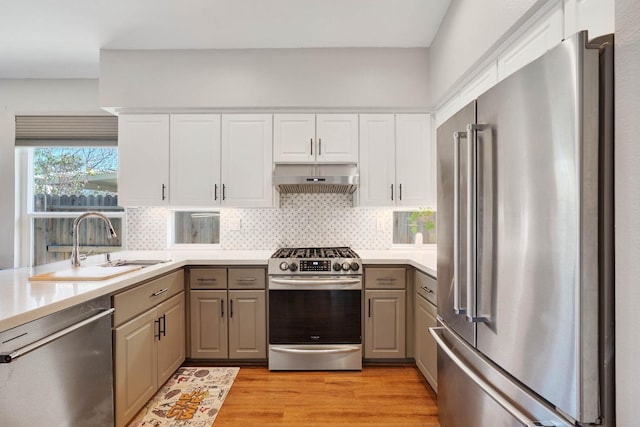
(9, 357)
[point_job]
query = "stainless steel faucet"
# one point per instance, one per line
(75, 253)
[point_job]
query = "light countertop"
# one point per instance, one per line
(22, 301)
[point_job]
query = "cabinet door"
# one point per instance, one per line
(415, 165)
(385, 326)
(426, 350)
(208, 324)
(136, 368)
(247, 325)
(171, 340)
(337, 136)
(246, 160)
(377, 160)
(143, 159)
(294, 138)
(195, 159)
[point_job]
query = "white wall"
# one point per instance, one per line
(469, 30)
(627, 215)
(358, 78)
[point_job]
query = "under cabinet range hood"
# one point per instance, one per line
(315, 178)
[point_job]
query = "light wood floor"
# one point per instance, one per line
(376, 396)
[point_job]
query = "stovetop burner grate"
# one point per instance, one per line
(318, 253)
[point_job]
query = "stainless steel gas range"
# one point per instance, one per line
(315, 309)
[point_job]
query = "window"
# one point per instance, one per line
(407, 224)
(67, 165)
(66, 182)
(195, 228)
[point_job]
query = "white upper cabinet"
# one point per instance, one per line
(195, 160)
(397, 165)
(143, 160)
(322, 138)
(294, 138)
(377, 159)
(247, 160)
(415, 163)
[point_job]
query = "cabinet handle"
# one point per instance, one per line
(160, 292)
(385, 279)
(215, 191)
(311, 145)
(224, 187)
(231, 308)
(207, 279)
(369, 315)
(391, 192)
(164, 187)
(221, 308)
(400, 191)
(164, 325)
(319, 146)
(246, 279)
(157, 322)
(427, 290)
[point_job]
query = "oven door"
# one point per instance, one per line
(315, 323)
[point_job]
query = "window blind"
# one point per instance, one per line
(39, 131)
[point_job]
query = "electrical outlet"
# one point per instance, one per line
(234, 224)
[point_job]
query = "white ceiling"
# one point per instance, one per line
(62, 38)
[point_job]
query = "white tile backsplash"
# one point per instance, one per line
(301, 220)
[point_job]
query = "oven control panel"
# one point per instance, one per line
(315, 265)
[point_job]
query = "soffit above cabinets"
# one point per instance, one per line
(63, 39)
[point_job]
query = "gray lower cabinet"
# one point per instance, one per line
(149, 341)
(426, 349)
(227, 313)
(385, 313)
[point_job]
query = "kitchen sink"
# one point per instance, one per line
(136, 262)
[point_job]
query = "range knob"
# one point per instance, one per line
(346, 266)
(284, 266)
(293, 266)
(337, 266)
(355, 266)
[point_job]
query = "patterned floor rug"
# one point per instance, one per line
(191, 397)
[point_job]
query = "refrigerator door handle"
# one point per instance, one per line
(457, 297)
(472, 209)
(486, 387)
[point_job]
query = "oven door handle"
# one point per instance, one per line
(316, 281)
(315, 351)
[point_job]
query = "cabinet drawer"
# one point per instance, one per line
(141, 298)
(427, 286)
(384, 278)
(247, 278)
(208, 278)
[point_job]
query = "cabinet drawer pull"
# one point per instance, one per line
(385, 279)
(427, 290)
(246, 279)
(207, 279)
(160, 292)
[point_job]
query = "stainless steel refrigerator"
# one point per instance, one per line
(525, 286)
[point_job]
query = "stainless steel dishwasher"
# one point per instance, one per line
(57, 370)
